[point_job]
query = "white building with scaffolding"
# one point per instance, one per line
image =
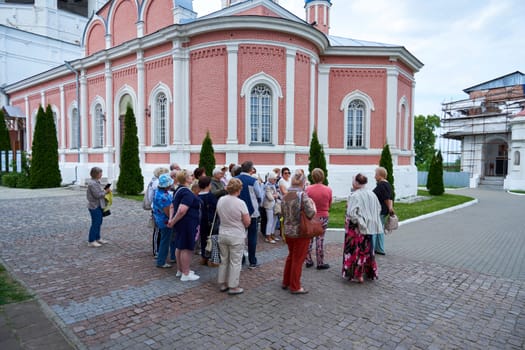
(490, 125)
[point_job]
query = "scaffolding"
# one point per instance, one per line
(481, 125)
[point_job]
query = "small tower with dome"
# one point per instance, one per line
(318, 14)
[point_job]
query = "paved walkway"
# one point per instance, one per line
(450, 281)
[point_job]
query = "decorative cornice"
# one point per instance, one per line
(206, 53)
(358, 73)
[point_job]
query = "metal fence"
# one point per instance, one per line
(450, 179)
(7, 161)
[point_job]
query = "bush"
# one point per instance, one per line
(45, 172)
(15, 180)
(435, 176)
(207, 155)
(386, 162)
(317, 158)
(130, 180)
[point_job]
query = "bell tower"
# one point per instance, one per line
(318, 14)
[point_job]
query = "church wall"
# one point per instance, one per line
(253, 59)
(158, 15)
(158, 72)
(302, 100)
(123, 22)
(208, 94)
(344, 81)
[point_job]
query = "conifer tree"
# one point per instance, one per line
(435, 176)
(130, 180)
(386, 162)
(44, 172)
(5, 143)
(317, 158)
(207, 155)
(431, 171)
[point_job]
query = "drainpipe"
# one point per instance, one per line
(77, 80)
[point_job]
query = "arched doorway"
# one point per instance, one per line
(496, 158)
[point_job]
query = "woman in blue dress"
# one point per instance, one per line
(185, 219)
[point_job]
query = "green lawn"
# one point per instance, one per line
(137, 197)
(10, 290)
(517, 191)
(403, 210)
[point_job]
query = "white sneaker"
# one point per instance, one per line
(189, 277)
(179, 273)
(94, 244)
(102, 241)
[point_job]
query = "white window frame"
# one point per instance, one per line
(56, 119)
(276, 93)
(98, 120)
(74, 134)
(402, 128)
(161, 88)
(369, 108)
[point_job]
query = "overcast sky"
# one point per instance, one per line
(461, 42)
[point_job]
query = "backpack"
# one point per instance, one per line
(148, 197)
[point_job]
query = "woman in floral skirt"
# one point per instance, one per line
(362, 223)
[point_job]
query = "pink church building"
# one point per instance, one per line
(254, 75)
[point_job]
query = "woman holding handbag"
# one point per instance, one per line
(322, 197)
(295, 201)
(209, 205)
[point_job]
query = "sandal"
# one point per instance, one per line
(299, 291)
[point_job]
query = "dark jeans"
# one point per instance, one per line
(252, 241)
(264, 221)
(96, 223)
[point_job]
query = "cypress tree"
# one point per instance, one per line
(130, 180)
(431, 171)
(316, 158)
(435, 176)
(45, 172)
(386, 162)
(207, 155)
(5, 141)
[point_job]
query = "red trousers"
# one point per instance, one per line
(297, 249)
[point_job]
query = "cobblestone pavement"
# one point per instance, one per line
(455, 281)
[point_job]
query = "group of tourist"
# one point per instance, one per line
(235, 202)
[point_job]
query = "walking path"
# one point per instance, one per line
(450, 281)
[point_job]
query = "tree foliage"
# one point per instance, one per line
(386, 162)
(425, 139)
(435, 184)
(5, 143)
(130, 180)
(207, 155)
(317, 158)
(44, 172)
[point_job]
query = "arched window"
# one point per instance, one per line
(355, 124)
(161, 120)
(98, 132)
(517, 158)
(261, 114)
(357, 108)
(75, 129)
